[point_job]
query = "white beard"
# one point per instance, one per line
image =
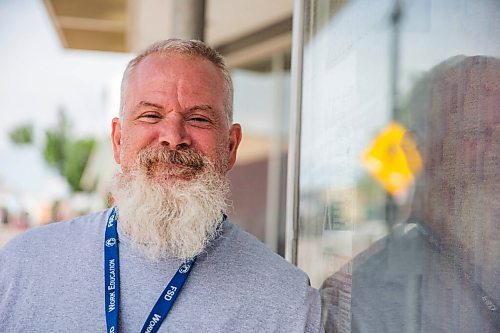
(173, 218)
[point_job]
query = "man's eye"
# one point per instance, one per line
(150, 117)
(199, 119)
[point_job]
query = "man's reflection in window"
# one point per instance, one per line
(439, 271)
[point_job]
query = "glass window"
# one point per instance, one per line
(399, 185)
(261, 96)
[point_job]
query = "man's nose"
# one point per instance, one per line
(173, 134)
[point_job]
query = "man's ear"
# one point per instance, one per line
(234, 142)
(116, 138)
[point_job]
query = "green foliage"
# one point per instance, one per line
(53, 150)
(76, 154)
(68, 155)
(56, 139)
(22, 135)
(61, 151)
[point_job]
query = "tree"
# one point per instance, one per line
(66, 154)
(77, 154)
(22, 135)
(56, 140)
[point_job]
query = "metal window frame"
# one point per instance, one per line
(293, 172)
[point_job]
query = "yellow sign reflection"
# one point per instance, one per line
(393, 159)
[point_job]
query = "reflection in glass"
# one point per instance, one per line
(439, 270)
(424, 257)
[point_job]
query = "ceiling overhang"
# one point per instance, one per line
(239, 29)
(90, 24)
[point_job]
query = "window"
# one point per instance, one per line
(398, 209)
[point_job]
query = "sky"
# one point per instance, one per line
(38, 77)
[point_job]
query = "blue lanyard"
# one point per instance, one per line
(112, 284)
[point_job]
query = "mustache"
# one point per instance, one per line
(188, 158)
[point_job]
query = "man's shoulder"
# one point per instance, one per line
(48, 268)
(38, 239)
(242, 247)
(258, 283)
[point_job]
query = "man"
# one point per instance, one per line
(165, 257)
(438, 271)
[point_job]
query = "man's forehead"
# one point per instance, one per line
(174, 68)
(192, 72)
(173, 60)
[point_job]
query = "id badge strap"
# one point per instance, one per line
(167, 298)
(111, 274)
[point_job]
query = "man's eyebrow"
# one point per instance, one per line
(201, 107)
(142, 104)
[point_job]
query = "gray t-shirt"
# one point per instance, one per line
(52, 280)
